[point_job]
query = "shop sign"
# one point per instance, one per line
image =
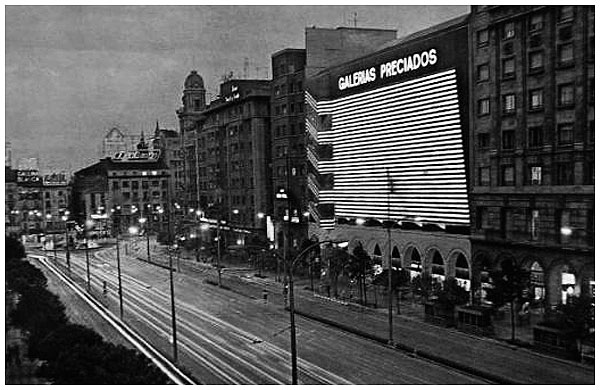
(137, 155)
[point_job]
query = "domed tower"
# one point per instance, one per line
(194, 94)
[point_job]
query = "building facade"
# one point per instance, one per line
(532, 151)
(387, 153)
(290, 68)
(169, 143)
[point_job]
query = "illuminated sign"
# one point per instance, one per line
(235, 94)
(397, 149)
(137, 155)
(389, 69)
(55, 179)
(28, 176)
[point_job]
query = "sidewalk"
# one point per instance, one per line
(488, 358)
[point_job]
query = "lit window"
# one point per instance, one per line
(508, 30)
(484, 176)
(483, 107)
(483, 140)
(508, 103)
(536, 174)
(564, 173)
(536, 99)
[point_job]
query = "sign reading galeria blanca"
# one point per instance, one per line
(389, 69)
(137, 155)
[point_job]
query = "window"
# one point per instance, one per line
(536, 23)
(508, 139)
(591, 93)
(535, 173)
(536, 136)
(565, 133)
(565, 13)
(565, 54)
(536, 61)
(483, 72)
(145, 184)
(126, 195)
(508, 175)
(564, 174)
(154, 183)
(591, 131)
(588, 173)
(125, 184)
(508, 68)
(483, 140)
(283, 110)
(483, 106)
(484, 176)
(565, 33)
(115, 185)
(566, 94)
(509, 103)
(135, 185)
(536, 99)
(534, 223)
(479, 217)
(196, 104)
(508, 31)
(483, 37)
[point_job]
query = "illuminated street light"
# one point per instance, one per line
(566, 231)
(142, 220)
(204, 227)
(360, 221)
(236, 211)
(260, 215)
(133, 230)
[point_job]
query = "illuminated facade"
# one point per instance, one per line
(388, 135)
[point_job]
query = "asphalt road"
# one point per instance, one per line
(227, 338)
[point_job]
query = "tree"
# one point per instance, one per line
(451, 294)
(14, 248)
(359, 266)
(508, 284)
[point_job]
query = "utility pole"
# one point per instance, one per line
(119, 273)
(219, 251)
(87, 262)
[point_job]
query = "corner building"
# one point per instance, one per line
(532, 156)
(387, 143)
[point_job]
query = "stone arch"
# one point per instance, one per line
(396, 258)
(481, 265)
(460, 268)
(561, 281)
(435, 264)
(377, 254)
(413, 261)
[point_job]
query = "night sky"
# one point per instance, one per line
(73, 72)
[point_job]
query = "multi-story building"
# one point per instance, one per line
(11, 197)
(169, 143)
(190, 116)
(234, 140)
(56, 191)
(122, 189)
(290, 67)
(113, 142)
(532, 144)
(29, 203)
(387, 152)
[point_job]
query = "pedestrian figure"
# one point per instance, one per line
(104, 288)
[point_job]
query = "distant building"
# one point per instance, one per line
(56, 190)
(118, 191)
(7, 154)
(169, 143)
(113, 142)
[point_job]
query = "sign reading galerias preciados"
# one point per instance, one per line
(137, 155)
(389, 69)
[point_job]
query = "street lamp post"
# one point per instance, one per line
(290, 275)
(219, 252)
(142, 220)
(68, 254)
(119, 263)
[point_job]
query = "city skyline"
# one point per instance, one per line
(74, 72)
